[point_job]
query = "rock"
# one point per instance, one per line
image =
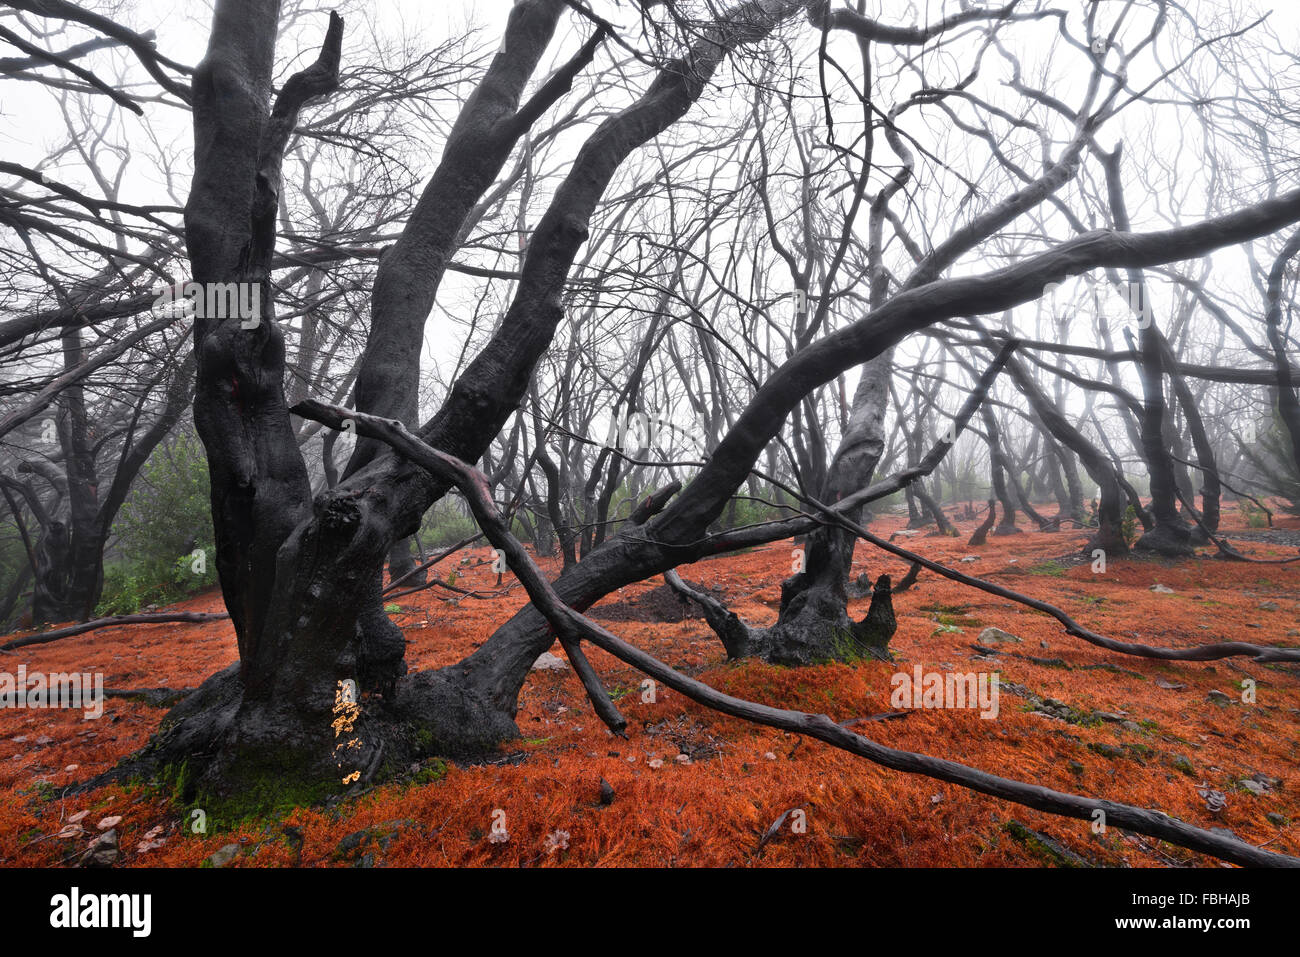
(380, 835)
(606, 793)
(224, 856)
(103, 851)
(1265, 781)
(1169, 685)
(1184, 764)
(1254, 787)
(1043, 846)
(966, 560)
(550, 662)
(1162, 589)
(44, 739)
(350, 843)
(556, 841)
(1108, 716)
(1216, 801)
(1268, 606)
(1077, 768)
(1130, 726)
(1275, 818)
(1218, 697)
(997, 636)
(1106, 750)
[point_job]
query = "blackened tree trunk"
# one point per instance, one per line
(1110, 513)
(998, 467)
(301, 577)
(814, 623)
(1170, 535)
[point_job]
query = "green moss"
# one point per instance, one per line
(260, 786)
(434, 770)
(1039, 846)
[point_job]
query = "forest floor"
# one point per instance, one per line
(692, 787)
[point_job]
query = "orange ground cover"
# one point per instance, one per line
(695, 788)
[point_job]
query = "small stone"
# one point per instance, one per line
(1184, 764)
(683, 759)
(557, 841)
(1268, 606)
(997, 636)
(1169, 685)
(1275, 818)
(606, 793)
(44, 739)
(1254, 787)
(1162, 589)
(1106, 750)
(967, 559)
(1130, 726)
(1218, 697)
(656, 763)
(103, 851)
(350, 843)
(550, 662)
(72, 767)
(769, 755)
(224, 856)
(1216, 801)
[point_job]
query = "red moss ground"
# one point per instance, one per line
(695, 788)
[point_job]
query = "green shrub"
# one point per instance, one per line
(1128, 525)
(159, 532)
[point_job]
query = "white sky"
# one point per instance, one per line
(30, 126)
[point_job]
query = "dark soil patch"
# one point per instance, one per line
(658, 604)
(1273, 536)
